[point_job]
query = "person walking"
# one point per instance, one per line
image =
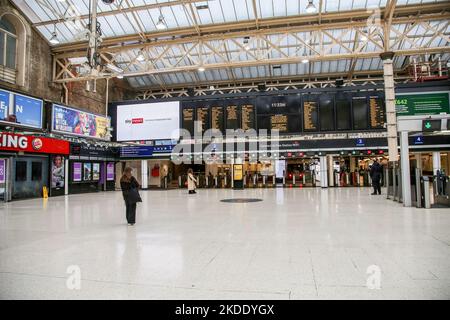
(192, 182)
(375, 174)
(130, 193)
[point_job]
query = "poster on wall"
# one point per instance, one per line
(77, 175)
(58, 173)
(110, 171)
(87, 168)
(2, 171)
(96, 171)
(66, 120)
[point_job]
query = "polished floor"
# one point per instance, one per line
(296, 244)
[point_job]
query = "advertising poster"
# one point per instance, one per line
(87, 168)
(58, 173)
(2, 171)
(96, 171)
(4, 104)
(28, 111)
(75, 122)
(280, 168)
(422, 103)
(77, 172)
(110, 171)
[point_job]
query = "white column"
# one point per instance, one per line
(406, 176)
(323, 172)
(436, 162)
(391, 116)
(144, 174)
(66, 177)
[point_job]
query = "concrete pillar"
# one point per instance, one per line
(405, 169)
(436, 161)
(391, 117)
(330, 165)
(66, 177)
(144, 174)
(323, 172)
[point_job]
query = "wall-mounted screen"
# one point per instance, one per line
(148, 121)
(203, 117)
(377, 112)
(21, 110)
(217, 118)
(96, 171)
(233, 117)
(58, 172)
(326, 105)
(71, 121)
(343, 113)
(188, 117)
(87, 171)
(310, 115)
(77, 174)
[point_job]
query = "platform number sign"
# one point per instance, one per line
(360, 143)
(431, 125)
(418, 140)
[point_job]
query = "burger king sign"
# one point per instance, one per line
(22, 143)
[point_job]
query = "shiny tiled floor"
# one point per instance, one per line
(296, 244)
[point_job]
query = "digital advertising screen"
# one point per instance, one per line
(148, 121)
(71, 121)
(4, 104)
(110, 171)
(58, 171)
(77, 172)
(87, 170)
(96, 171)
(26, 111)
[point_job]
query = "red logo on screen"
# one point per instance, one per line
(137, 120)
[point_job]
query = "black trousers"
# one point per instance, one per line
(376, 187)
(131, 212)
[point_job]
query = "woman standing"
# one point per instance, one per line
(192, 182)
(129, 186)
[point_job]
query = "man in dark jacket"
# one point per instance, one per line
(375, 174)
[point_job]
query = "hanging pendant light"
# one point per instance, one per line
(54, 39)
(140, 57)
(161, 25)
(311, 8)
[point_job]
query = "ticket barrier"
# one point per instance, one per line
(434, 191)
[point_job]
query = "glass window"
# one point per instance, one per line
(36, 171)
(2, 47)
(11, 52)
(21, 171)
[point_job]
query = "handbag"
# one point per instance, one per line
(134, 196)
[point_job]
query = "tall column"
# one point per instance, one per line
(405, 169)
(323, 172)
(66, 177)
(436, 161)
(144, 174)
(391, 117)
(330, 171)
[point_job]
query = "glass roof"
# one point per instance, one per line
(69, 19)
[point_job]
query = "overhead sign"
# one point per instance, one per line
(360, 143)
(26, 111)
(422, 103)
(71, 121)
(431, 125)
(418, 140)
(136, 152)
(17, 142)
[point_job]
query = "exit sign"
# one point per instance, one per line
(431, 125)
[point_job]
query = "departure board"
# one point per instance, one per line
(203, 117)
(279, 122)
(343, 114)
(232, 117)
(360, 113)
(326, 105)
(377, 112)
(188, 119)
(248, 117)
(310, 116)
(217, 119)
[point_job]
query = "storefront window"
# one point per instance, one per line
(36, 171)
(21, 171)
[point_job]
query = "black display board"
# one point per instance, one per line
(217, 118)
(377, 111)
(248, 117)
(360, 113)
(310, 114)
(232, 117)
(203, 117)
(327, 113)
(343, 104)
(188, 118)
(280, 113)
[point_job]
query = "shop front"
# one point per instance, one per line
(91, 169)
(28, 164)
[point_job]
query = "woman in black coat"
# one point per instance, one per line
(128, 183)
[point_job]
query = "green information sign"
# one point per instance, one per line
(422, 103)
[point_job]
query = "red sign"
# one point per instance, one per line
(137, 121)
(18, 142)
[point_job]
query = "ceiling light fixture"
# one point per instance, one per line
(305, 60)
(161, 25)
(311, 8)
(120, 76)
(140, 57)
(201, 69)
(54, 39)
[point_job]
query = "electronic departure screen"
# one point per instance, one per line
(248, 117)
(360, 113)
(188, 119)
(326, 105)
(203, 117)
(217, 116)
(232, 117)
(343, 114)
(377, 112)
(310, 116)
